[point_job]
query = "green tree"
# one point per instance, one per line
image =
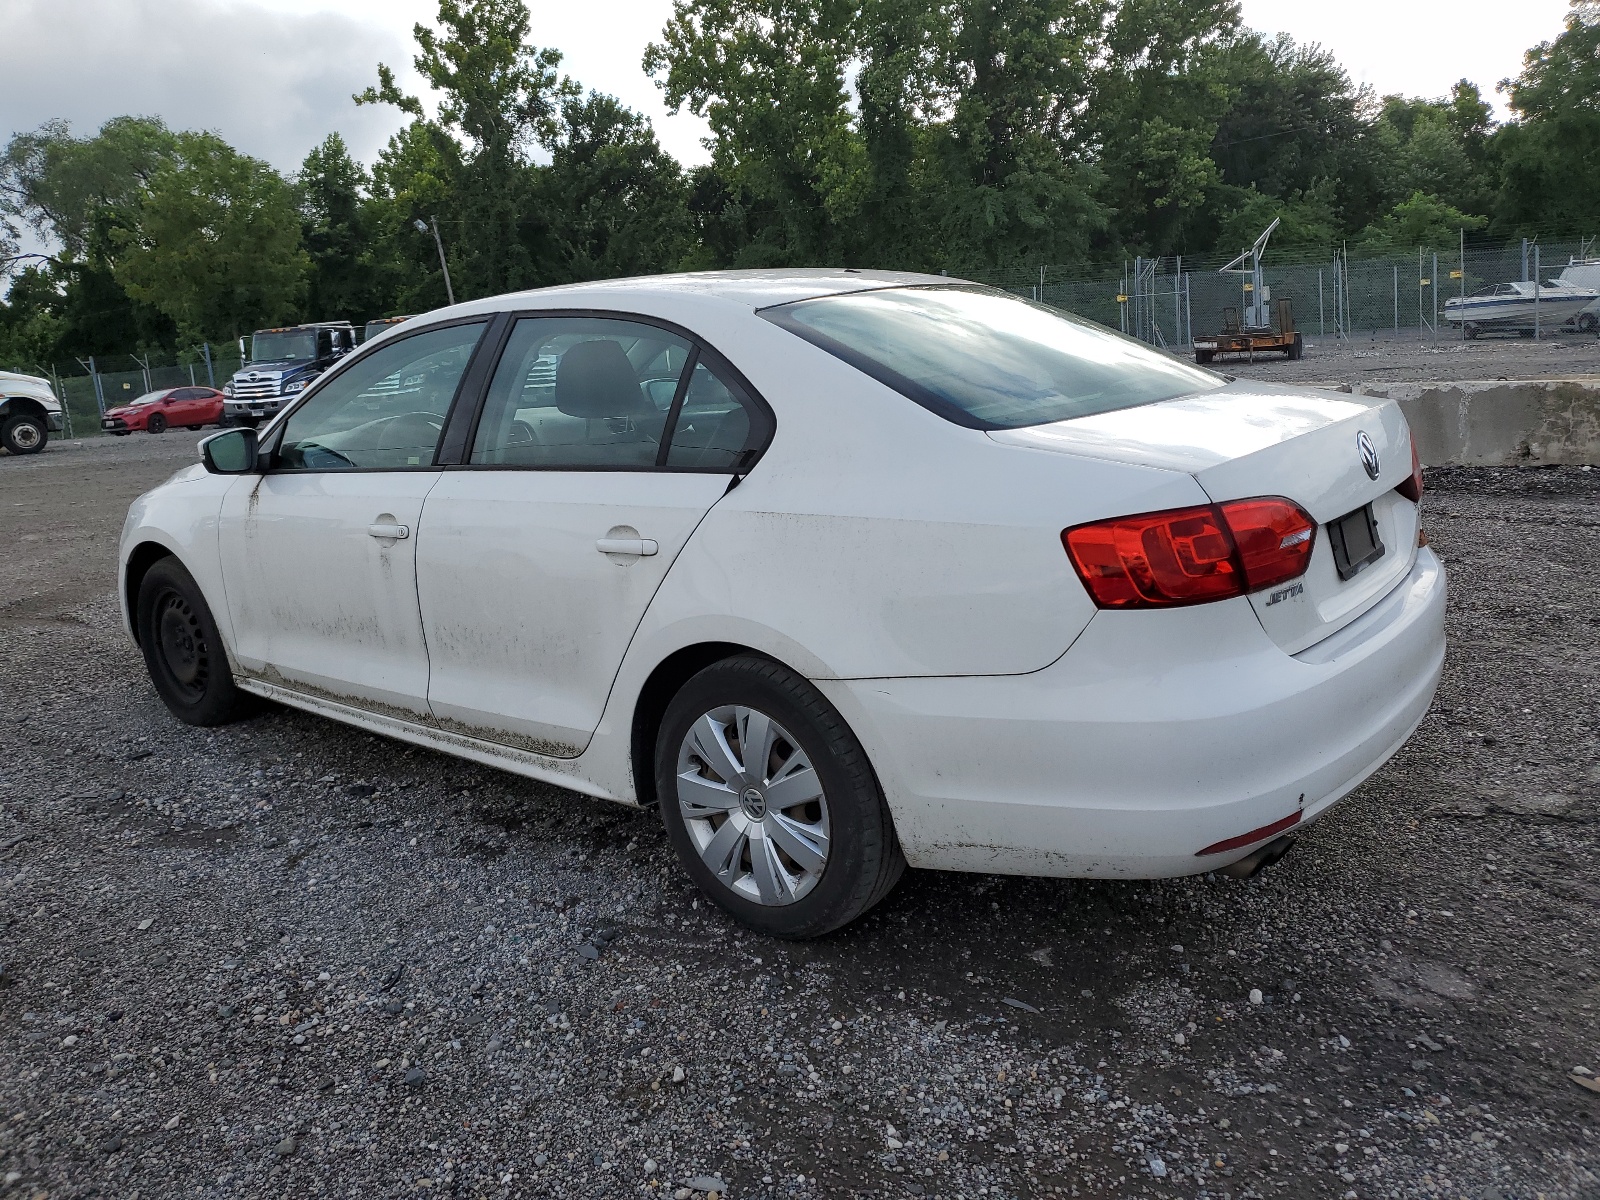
(1421, 220)
(336, 219)
(216, 244)
(1550, 156)
(769, 77)
(500, 99)
(615, 201)
(30, 320)
(82, 196)
(1158, 97)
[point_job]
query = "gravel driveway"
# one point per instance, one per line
(285, 958)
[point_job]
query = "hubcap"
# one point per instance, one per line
(26, 435)
(753, 805)
(182, 645)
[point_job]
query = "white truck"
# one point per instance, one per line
(29, 413)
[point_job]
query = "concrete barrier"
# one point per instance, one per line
(1499, 422)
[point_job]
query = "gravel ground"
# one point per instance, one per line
(285, 958)
(1385, 358)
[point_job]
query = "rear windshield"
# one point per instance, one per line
(987, 359)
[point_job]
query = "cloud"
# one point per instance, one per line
(272, 83)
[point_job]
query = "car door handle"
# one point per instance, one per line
(641, 547)
(389, 531)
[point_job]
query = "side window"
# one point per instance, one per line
(713, 428)
(387, 410)
(580, 393)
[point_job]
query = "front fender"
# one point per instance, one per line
(181, 517)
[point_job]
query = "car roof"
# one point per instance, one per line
(748, 289)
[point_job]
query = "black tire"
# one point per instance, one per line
(1588, 322)
(156, 424)
(1204, 356)
(1472, 330)
(1297, 349)
(121, 432)
(863, 860)
(194, 427)
(24, 434)
(183, 650)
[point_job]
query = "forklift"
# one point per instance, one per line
(1259, 332)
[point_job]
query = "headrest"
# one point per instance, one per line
(595, 379)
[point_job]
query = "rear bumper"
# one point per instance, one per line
(1156, 735)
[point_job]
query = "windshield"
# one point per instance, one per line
(284, 346)
(987, 359)
(148, 398)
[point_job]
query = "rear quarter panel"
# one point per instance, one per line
(877, 539)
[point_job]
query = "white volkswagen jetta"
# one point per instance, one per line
(844, 570)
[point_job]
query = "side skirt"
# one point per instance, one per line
(562, 772)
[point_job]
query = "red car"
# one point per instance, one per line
(156, 412)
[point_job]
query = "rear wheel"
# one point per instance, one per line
(1296, 349)
(1204, 356)
(156, 424)
(1588, 322)
(24, 434)
(1472, 330)
(183, 650)
(770, 801)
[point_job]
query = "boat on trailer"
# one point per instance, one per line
(1521, 306)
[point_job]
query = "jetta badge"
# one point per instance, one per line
(1369, 454)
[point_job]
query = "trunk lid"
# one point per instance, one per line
(1255, 439)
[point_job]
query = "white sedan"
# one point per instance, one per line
(844, 570)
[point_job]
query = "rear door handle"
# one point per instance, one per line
(389, 531)
(640, 547)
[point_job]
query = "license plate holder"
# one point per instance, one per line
(1356, 542)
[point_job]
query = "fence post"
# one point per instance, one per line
(1433, 292)
(1524, 260)
(99, 388)
(1188, 312)
(1397, 298)
(1177, 297)
(66, 409)
(211, 379)
(1536, 331)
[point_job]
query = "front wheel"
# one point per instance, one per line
(770, 801)
(24, 434)
(183, 650)
(156, 424)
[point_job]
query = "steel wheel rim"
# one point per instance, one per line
(753, 805)
(26, 435)
(182, 644)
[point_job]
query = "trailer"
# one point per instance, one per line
(1237, 339)
(1256, 333)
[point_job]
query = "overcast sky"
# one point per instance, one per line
(275, 78)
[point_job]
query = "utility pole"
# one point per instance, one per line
(422, 227)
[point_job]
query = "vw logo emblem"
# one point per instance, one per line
(1369, 454)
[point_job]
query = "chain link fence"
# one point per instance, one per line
(1353, 292)
(88, 387)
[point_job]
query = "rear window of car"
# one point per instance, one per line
(986, 359)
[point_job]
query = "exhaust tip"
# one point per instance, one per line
(1253, 864)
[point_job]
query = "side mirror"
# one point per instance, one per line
(231, 452)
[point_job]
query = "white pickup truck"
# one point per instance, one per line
(29, 413)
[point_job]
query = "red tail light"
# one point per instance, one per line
(1191, 555)
(1411, 489)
